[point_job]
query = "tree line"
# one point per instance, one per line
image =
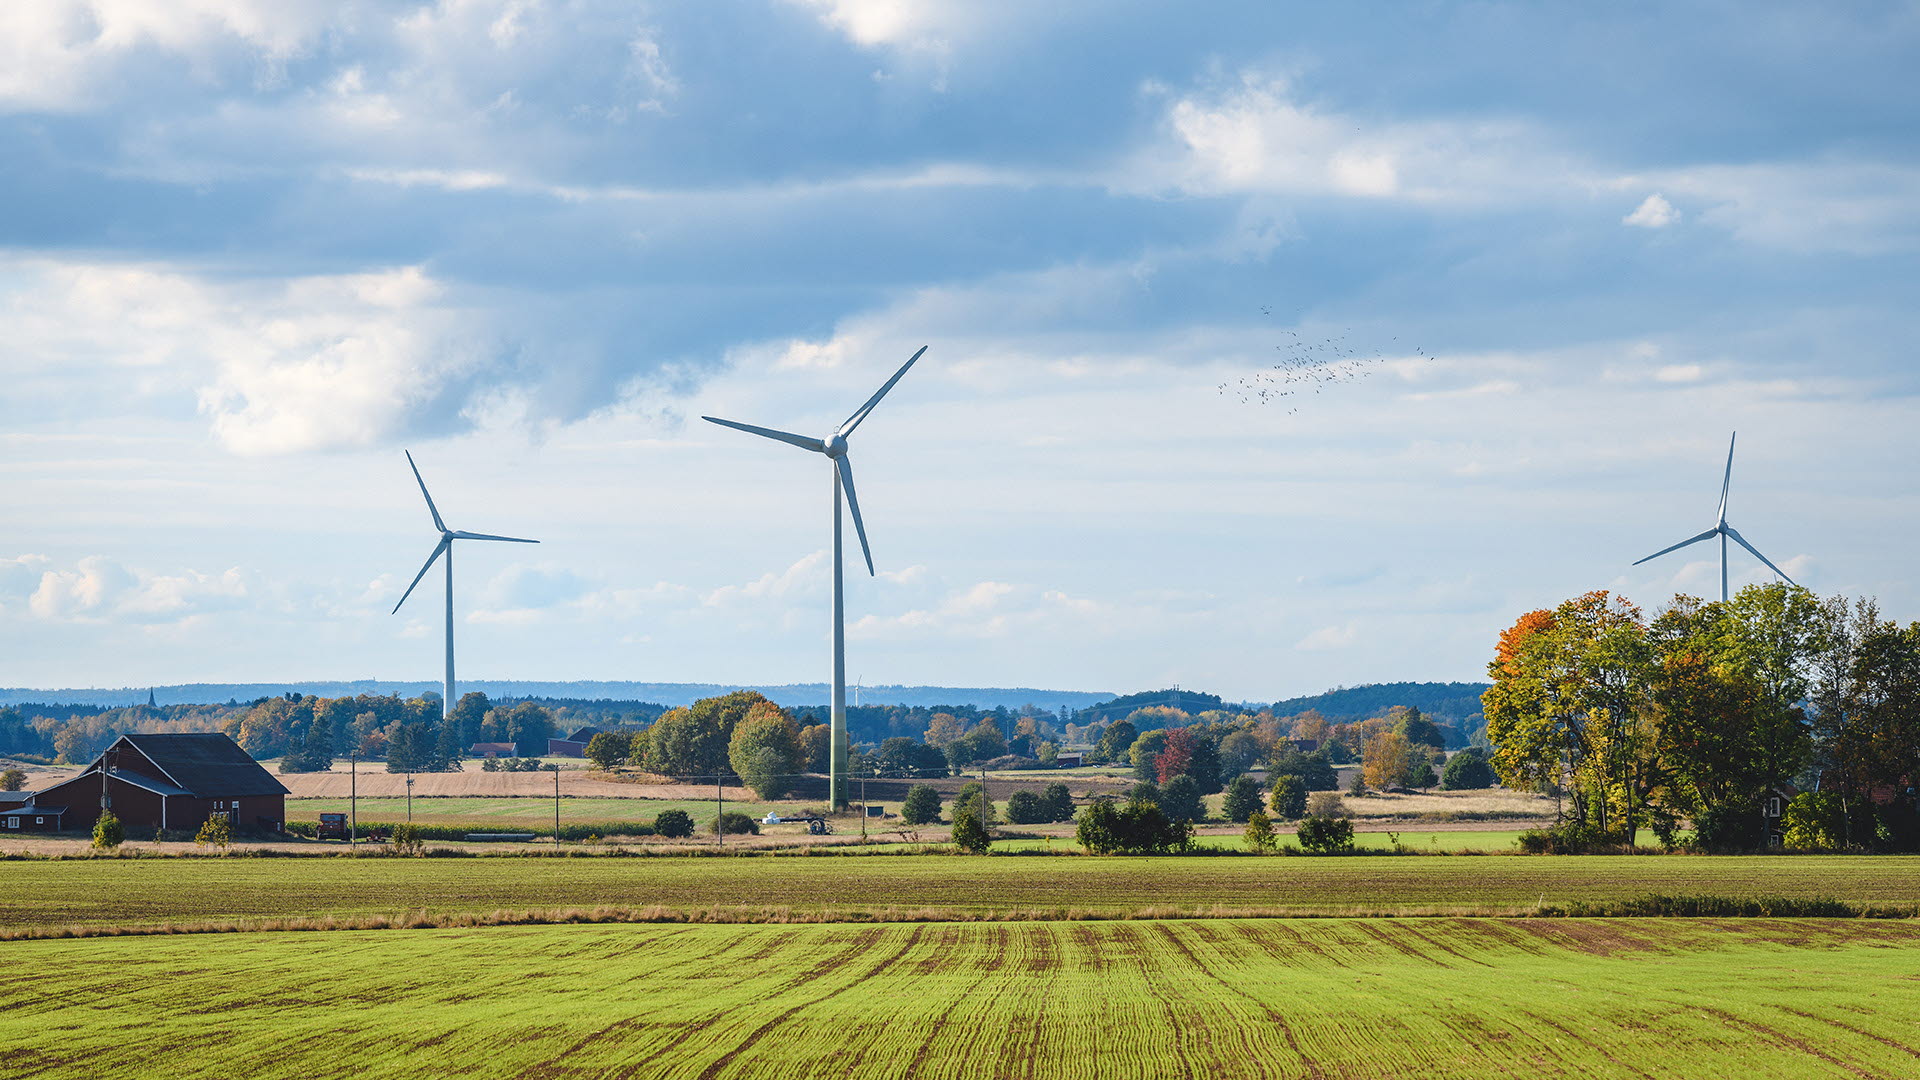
(1703, 713)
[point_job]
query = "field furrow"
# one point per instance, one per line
(1218, 998)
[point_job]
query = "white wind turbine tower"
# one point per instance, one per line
(835, 448)
(1724, 531)
(445, 547)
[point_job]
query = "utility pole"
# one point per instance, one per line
(353, 798)
(556, 807)
(409, 798)
(719, 811)
(986, 802)
(863, 808)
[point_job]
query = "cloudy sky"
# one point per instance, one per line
(251, 250)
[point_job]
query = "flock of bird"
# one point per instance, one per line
(1307, 365)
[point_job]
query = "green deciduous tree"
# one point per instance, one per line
(1026, 807)
(921, 806)
(1180, 799)
(1259, 833)
(1059, 802)
(609, 748)
(1288, 797)
(970, 834)
(765, 749)
(1467, 771)
(1243, 798)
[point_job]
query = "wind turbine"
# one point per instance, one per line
(1724, 531)
(835, 448)
(445, 547)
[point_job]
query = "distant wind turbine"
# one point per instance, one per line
(445, 547)
(835, 448)
(1724, 531)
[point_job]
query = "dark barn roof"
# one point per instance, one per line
(209, 765)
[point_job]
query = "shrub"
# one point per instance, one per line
(1288, 797)
(1145, 791)
(1467, 771)
(1815, 821)
(1059, 802)
(1567, 838)
(1359, 788)
(216, 830)
(1243, 798)
(1259, 832)
(969, 835)
(1138, 828)
(733, 822)
(1326, 804)
(12, 780)
(922, 805)
(1180, 799)
(407, 839)
(1027, 808)
(108, 832)
(1326, 835)
(674, 823)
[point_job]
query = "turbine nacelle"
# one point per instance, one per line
(834, 446)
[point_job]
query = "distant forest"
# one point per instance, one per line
(73, 732)
(610, 693)
(1457, 703)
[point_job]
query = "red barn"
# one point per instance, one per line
(172, 782)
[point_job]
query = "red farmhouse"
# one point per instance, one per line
(173, 782)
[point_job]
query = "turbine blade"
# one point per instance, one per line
(485, 536)
(431, 559)
(431, 509)
(1727, 483)
(860, 414)
(800, 441)
(1708, 535)
(1755, 552)
(853, 504)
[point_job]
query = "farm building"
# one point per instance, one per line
(20, 813)
(574, 745)
(494, 750)
(173, 782)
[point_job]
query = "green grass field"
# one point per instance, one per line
(148, 891)
(1218, 998)
(497, 813)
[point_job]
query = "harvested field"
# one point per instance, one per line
(1225, 998)
(106, 892)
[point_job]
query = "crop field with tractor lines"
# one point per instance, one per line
(1202, 998)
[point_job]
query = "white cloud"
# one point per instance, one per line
(1254, 135)
(804, 578)
(1329, 637)
(276, 367)
(1654, 212)
(97, 588)
(63, 54)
